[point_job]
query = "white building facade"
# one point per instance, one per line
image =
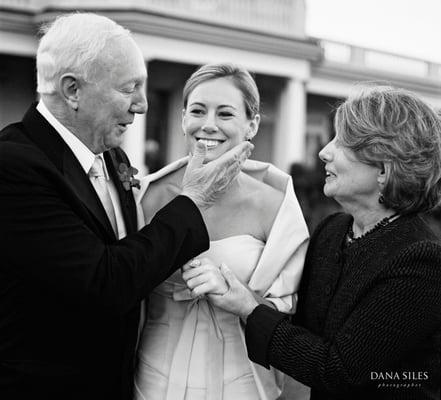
(299, 77)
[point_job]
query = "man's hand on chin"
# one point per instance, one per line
(204, 183)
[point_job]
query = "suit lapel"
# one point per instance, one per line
(52, 144)
(113, 159)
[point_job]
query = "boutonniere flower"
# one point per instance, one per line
(127, 178)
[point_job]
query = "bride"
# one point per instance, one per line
(188, 348)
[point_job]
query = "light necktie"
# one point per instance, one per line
(99, 182)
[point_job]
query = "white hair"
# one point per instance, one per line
(73, 43)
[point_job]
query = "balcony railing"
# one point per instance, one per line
(281, 17)
(337, 52)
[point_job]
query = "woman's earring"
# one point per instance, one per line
(381, 198)
(248, 136)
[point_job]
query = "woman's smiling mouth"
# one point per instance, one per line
(210, 143)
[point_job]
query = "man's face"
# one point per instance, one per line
(107, 106)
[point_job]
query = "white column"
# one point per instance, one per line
(290, 132)
(134, 141)
(176, 146)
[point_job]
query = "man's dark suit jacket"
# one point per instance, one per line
(69, 291)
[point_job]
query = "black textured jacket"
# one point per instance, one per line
(368, 319)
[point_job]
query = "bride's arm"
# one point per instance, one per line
(204, 278)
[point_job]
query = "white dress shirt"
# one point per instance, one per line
(86, 159)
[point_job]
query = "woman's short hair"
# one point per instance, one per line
(383, 125)
(73, 43)
(241, 78)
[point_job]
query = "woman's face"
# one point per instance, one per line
(215, 115)
(347, 179)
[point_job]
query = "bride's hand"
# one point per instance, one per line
(203, 277)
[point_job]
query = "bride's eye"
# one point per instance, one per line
(225, 114)
(196, 111)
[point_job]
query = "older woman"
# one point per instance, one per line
(368, 322)
(190, 349)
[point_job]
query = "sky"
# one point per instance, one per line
(407, 27)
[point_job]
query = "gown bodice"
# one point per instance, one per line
(240, 253)
(194, 344)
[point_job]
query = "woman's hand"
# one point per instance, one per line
(203, 277)
(221, 286)
(238, 299)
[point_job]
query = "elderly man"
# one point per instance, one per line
(74, 269)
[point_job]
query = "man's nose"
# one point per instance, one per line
(140, 105)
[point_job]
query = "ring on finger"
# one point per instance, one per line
(195, 263)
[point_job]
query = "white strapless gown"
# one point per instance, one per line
(190, 349)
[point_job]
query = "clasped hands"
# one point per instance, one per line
(219, 285)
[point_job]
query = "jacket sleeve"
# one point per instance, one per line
(400, 311)
(45, 238)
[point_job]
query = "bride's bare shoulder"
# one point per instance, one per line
(265, 202)
(265, 196)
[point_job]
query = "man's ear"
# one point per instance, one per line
(69, 85)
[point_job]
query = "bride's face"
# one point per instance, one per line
(215, 115)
